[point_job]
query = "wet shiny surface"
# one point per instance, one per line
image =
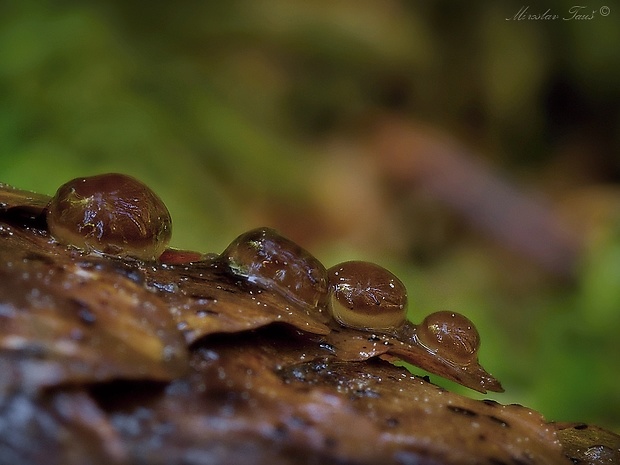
(110, 213)
(366, 296)
(69, 318)
(277, 264)
(185, 360)
(449, 335)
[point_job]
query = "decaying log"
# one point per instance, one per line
(109, 360)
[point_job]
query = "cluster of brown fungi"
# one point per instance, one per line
(260, 345)
(115, 214)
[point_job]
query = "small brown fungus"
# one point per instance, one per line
(264, 257)
(110, 213)
(366, 296)
(450, 335)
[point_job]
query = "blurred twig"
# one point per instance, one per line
(430, 161)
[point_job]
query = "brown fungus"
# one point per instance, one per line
(366, 296)
(449, 335)
(110, 213)
(265, 258)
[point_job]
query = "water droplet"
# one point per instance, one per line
(169, 353)
(86, 316)
(166, 287)
(202, 313)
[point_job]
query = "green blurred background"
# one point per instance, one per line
(474, 154)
